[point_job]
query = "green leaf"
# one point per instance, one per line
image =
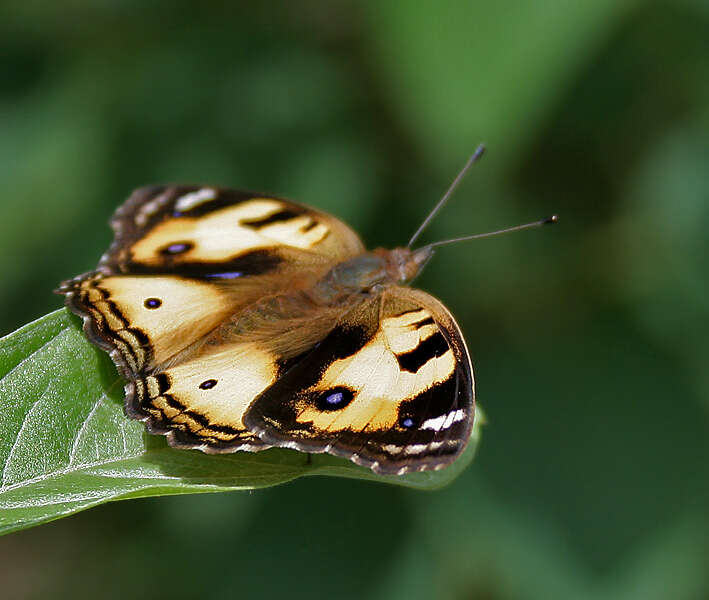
(65, 444)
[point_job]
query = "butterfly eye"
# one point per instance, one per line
(335, 398)
(208, 384)
(153, 303)
(177, 248)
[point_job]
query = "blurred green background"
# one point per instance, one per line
(590, 340)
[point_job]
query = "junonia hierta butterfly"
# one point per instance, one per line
(242, 321)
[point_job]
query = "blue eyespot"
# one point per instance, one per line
(334, 398)
(208, 384)
(177, 248)
(408, 422)
(229, 275)
(152, 303)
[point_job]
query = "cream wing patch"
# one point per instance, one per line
(200, 403)
(375, 374)
(228, 232)
(221, 385)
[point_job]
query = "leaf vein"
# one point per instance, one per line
(15, 444)
(82, 429)
(65, 329)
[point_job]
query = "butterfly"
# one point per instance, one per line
(242, 322)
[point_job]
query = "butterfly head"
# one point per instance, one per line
(404, 264)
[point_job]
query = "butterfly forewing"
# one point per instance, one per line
(206, 231)
(146, 320)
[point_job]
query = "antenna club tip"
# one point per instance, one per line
(550, 220)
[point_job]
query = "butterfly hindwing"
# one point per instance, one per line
(390, 387)
(199, 403)
(198, 398)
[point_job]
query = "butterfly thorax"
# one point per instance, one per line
(368, 271)
(325, 297)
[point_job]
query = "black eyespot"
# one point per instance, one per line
(407, 422)
(153, 303)
(177, 248)
(208, 384)
(335, 398)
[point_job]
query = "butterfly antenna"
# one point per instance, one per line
(474, 158)
(547, 221)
